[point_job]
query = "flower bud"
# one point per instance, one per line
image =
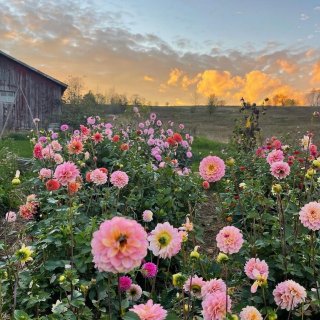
(230, 162)
(311, 172)
(222, 257)
(178, 280)
(15, 181)
(62, 278)
(316, 163)
(276, 188)
(195, 254)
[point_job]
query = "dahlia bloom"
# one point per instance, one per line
(11, 216)
(98, 177)
(97, 137)
(124, 283)
(66, 172)
(149, 311)
(119, 179)
(91, 120)
(165, 240)
(275, 156)
(255, 268)
(64, 127)
(250, 313)
(149, 270)
(56, 146)
(280, 169)
(205, 184)
(212, 168)
(75, 146)
(214, 306)
(147, 216)
(45, 173)
(37, 151)
(288, 294)
(134, 293)
(52, 185)
(58, 158)
(213, 286)
(309, 215)
(119, 245)
(194, 286)
(229, 240)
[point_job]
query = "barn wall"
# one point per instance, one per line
(42, 94)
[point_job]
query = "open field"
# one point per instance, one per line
(218, 126)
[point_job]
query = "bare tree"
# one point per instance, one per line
(73, 94)
(313, 98)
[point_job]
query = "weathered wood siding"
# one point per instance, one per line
(42, 94)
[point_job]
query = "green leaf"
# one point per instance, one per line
(54, 264)
(172, 316)
(131, 316)
(21, 315)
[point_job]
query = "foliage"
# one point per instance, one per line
(53, 276)
(61, 282)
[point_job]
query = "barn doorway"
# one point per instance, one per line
(7, 100)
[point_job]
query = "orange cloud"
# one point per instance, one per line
(315, 73)
(220, 83)
(287, 66)
(186, 82)
(174, 77)
(254, 86)
(148, 79)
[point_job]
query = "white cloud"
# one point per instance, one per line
(304, 17)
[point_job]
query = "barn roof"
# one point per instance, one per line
(61, 84)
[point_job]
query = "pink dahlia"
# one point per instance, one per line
(119, 245)
(134, 293)
(27, 211)
(11, 216)
(309, 215)
(213, 286)
(212, 168)
(98, 177)
(250, 313)
(288, 294)
(215, 305)
(255, 268)
(149, 270)
(119, 179)
(37, 151)
(125, 283)
(165, 240)
(275, 156)
(45, 173)
(194, 285)
(147, 215)
(149, 311)
(229, 240)
(280, 169)
(66, 172)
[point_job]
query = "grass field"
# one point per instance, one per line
(218, 126)
(213, 131)
(20, 146)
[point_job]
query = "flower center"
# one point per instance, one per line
(164, 239)
(195, 288)
(122, 240)
(211, 168)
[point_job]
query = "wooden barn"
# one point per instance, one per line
(25, 94)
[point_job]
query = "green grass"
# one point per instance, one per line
(203, 147)
(22, 148)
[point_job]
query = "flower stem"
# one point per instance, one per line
(313, 254)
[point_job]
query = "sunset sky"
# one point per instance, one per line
(175, 51)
